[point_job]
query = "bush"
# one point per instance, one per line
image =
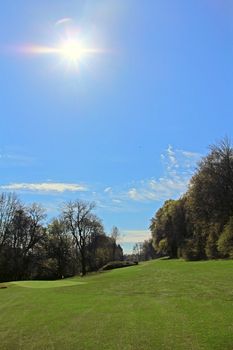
(190, 251)
(3, 287)
(118, 264)
(225, 242)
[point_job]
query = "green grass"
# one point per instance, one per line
(48, 284)
(156, 305)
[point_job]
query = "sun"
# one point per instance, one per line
(72, 50)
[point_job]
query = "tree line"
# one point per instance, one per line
(74, 242)
(199, 225)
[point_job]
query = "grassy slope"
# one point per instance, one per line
(156, 305)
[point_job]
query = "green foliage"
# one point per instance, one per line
(163, 246)
(190, 250)
(225, 242)
(47, 269)
(168, 228)
(191, 226)
(148, 250)
(211, 248)
(211, 188)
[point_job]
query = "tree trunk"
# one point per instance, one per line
(83, 263)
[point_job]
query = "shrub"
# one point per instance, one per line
(225, 242)
(118, 264)
(190, 250)
(3, 287)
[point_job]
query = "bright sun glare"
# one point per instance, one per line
(72, 50)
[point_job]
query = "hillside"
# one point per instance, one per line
(161, 304)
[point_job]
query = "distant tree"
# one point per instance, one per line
(35, 233)
(211, 188)
(211, 245)
(138, 251)
(9, 204)
(225, 242)
(81, 223)
(74, 242)
(115, 234)
(148, 251)
(27, 231)
(210, 197)
(60, 248)
(168, 228)
(103, 253)
(24, 231)
(191, 226)
(119, 253)
(99, 247)
(190, 250)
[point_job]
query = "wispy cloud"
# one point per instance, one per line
(62, 21)
(45, 187)
(171, 156)
(12, 159)
(179, 166)
(108, 190)
(156, 190)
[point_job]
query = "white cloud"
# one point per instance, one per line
(134, 236)
(108, 190)
(179, 166)
(118, 201)
(156, 190)
(171, 156)
(63, 21)
(190, 154)
(57, 187)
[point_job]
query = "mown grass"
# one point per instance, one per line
(156, 305)
(48, 284)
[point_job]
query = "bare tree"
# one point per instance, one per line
(9, 204)
(26, 231)
(138, 251)
(37, 215)
(60, 247)
(115, 234)
(81, 224)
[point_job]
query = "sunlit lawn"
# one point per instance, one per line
(156, 305)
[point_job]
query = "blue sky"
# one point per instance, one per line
(124, 127)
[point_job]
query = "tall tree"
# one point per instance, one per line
(210, 197)
(225, 242)
(168, 228)
(211, 188)
(9, 204)
(81, 223)
(26, 231)
(115, 234)
(60, 248)
(148, 250)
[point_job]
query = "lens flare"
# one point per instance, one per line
(71, 51)
(74, 51)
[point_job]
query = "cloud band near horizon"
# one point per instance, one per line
(56, 187)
